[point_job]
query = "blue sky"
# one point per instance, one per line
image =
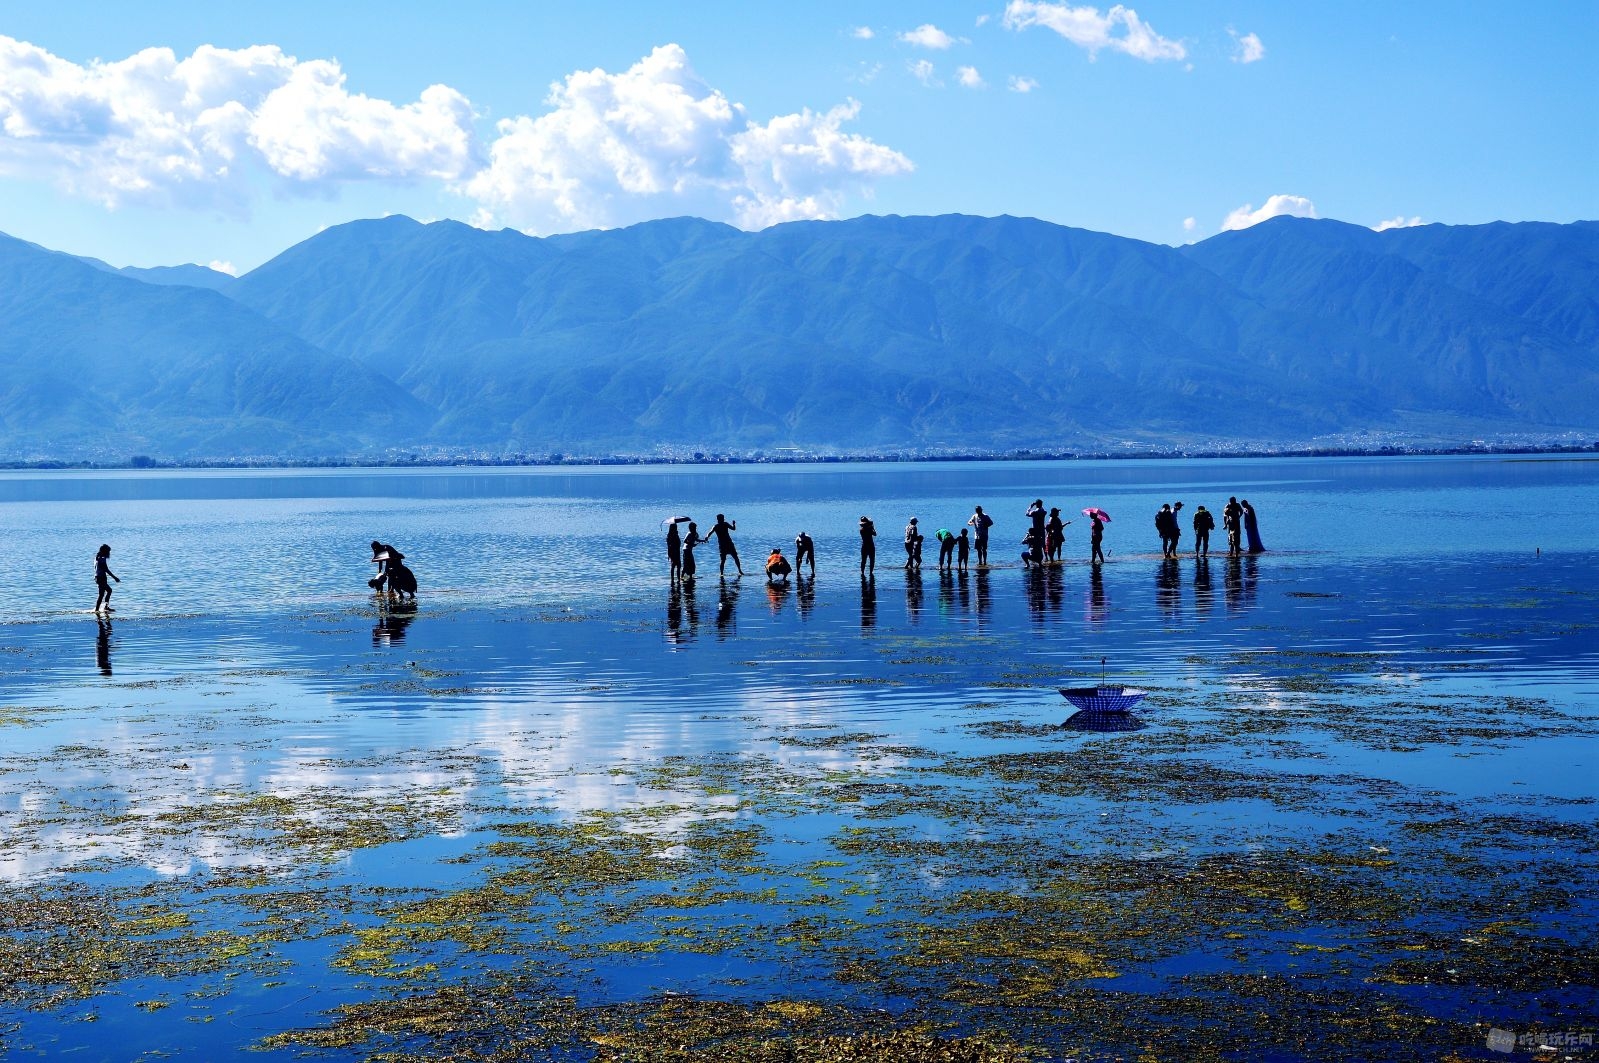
(205, 132)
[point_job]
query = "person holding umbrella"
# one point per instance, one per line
(1096, 534)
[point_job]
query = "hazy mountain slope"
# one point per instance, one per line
(93, 362)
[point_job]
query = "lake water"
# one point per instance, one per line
(563, 809)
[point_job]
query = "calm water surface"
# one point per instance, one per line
(1420, 625)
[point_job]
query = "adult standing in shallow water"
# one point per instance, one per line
(804, 549)
(980, 523)
(690, 541)
(723, 529)
(913, 536)
(1251, 528)
(1096, 536)
(102, 569)
(1232, 516)
(1038, 515)
(1204, 524)
(868, 546)
(674, 550)
(1056, 529)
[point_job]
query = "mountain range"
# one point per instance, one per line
(877, 334)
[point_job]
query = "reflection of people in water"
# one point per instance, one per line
(1098, 607)
(805, 595)
(913, 595)
(1168, 587)
(391, 625)
(776, 594)
(1203, 596)
(102, 645)
(727, 598)
(868, 602)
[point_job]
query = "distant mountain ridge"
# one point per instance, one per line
(878, 334)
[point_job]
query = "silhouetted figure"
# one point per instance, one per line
(1251, 528)
(1055, 534)
(1204, 524)
(1096, 539)
(1166, 525)
(804, 550)
(868, 601)
(777, 566)
(912, 537)
(102, 645)
(393, 578)
(1232, 519)
(690, 541)
(916, 550)
(102, 575)
(980, 523)
(1032, 548)
(1040, 517)
(723, 531)
(963, 549)
(674, 551)
(868, 546)
(946, 549)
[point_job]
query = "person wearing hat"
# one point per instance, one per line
(913, 536)
(804, 548)
(868, 547)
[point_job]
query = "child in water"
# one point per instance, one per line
(102, 569)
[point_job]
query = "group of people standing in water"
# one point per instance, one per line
(1043, 543)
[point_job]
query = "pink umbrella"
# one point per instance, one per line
(1095, 511)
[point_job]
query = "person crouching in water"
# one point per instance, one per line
(777, 566)
(102, 570)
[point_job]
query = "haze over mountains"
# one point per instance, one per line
(875, 334)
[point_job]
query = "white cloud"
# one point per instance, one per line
(928, 35)
(224, 267)
(1092, 31)
(1250, 49)
(983, 19)
(1190, 224)
(654, 139)
(1020, 83)
(1401, 222)
(1276, 206)
(862, 33)
(156, 129)
(970, 78)
(922, 70)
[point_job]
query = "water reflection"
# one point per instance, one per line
(776, 595)
(868, 602)
(805, 595)
(726, 603)
(102, 645)
(1103, 722)
(391, 625)
(1096, 606)
(985, 602)
(1239, 581)
(1204, 595)
(681, 606)
(1168, 589)
(1045, 588)
(913, 595)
